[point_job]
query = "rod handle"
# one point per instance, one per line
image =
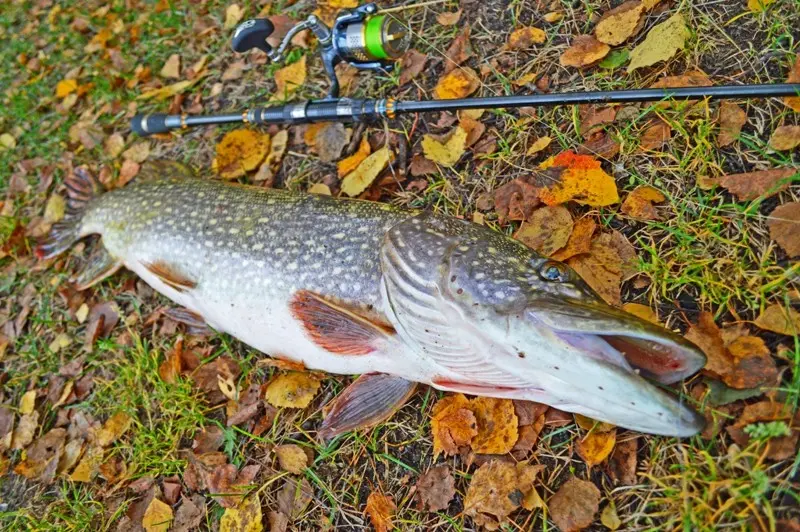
(146, 125)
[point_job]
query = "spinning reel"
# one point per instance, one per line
(362, 37)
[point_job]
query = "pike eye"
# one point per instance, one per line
(554, 272)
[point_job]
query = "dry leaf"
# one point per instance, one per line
(617, 26)
(239, 152)
(498, 488)
(137, 153)
(459, 50)
(347, 165)
(593, 116)
(25, 430)
(655, 136)
(473, 128)
(661, 43)
(293, 390)
(639, 203)
(233, 14)
(271, 165)
(759, 6)
(448, 19)
(706, 335)
(412, 63)
(580, 240)
(589, 424)
(292, 458)
(41, 458)
(453, 424)
(365, 173)
(27, 402)
(752, 185)
(785, 138)
(731, 120)
(601, 269)
(641, 311)
(435, 489)
(584, 51)
(246, 517)
(497, 425)
(172, 67)
(779, 319)
(157, 517)
(516, 200)
(621, 466)
(793, 102)
(114, 145)
(445, 153)
(66, 87)
(784, 227)
(777, 448)
(381, 509)
(538, 145)
(288, 79)
(609, 517)
(114, 427)
(596, 446)
(459, 83)
(524, 38)
(330, 140)
(579, 178)
(320, 188)
(574, 505)
(547, 230)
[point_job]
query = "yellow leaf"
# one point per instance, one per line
(596, 447)
(453, 424)
(553, 16)
(663, 41)
(157, 517)
(609, 517)
(779, 319)
(293, 390)
(380, 509)
(785, 138)
(458, 83)
(342, 4)
(239, 152)
(641, 311)
(639, 203)
(65, 87)
(88, 466)
(172, 67)
(288, 79)
(540, 144)
(27, 402)
(581, 179)
(447, 153)
(243, 518)
(365, 173)
(292, 458)
(759, 6)
(497, 425)
(171, 90)
(320, 188)
(8, 141)
(347, 165)
(524, 38)
(498, 488)
(233, 14)
(114, 427)
(618, 25)
(547, 229)
(589, 424)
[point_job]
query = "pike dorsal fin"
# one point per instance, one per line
(162, 169)
(370, 399)
(336, 328)
(99, 266)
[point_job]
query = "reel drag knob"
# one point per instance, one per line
(251, 34)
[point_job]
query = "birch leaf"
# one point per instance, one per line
(365, 173)
(663, 42)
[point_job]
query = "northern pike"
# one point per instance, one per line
(397, 296)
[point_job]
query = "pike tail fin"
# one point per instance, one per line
(82, 187)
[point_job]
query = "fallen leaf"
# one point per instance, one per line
(448, 18)
(497, 425)
(655, 136)
(239, 152)
(25, 430)
(246, 517)
(172, 67)
(793, 102)
(113, 429)
(365, 173)
(641, 311)
(411, 65)
(157, 517)
(584, 51)
(784, 227)
(498, 488)
(459, 50)
(292, 458)
(330, 140)
(474, 129)
(593, 116)
(435, 489)
(538, 145)
(233, 14)
(459, 83)
(271, 165)
(114, 145)
(138, 152)
(190, 514)
(574, 505)
(288, 79)
(759, 6)
(516, 200)
(592, 425)
(601, 269)
(596, 446)
(128, 171)
(779, 319)
(7, 141)
(445, 153)
(661, 43)
(27, 402)
(295, 497)
(553, 16)
(752, 185)
(381, 509)
(621, 466)
(524, 38)
(609, 517)
(580, 240)
(617, 25)
(320, 188)
(347, 165)
(706, 335)
(731, 120)
(578, 178)
(453, 424)
(639, 203)
(547, 230)
(785, 138)
(292, 390)
(66, 87)
(41, 458)
(89, 465)
(777, 448)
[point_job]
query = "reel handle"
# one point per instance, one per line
(251, 34)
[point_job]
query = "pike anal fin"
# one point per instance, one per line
(369, 400)
(99, 266)
(335, 328)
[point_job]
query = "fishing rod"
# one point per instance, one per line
(369, 39)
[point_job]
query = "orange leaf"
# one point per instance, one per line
(783, 224)
(596, 447)
(752, 185)
(498, 488)
(497, 425)
(380, 509)
(547, 230)
(785, 138)
(459, 83)
(579, 178)
(524, 38)
(347, 165)
(731, 120)
(639, 203)
(580, 241)
(585, 50)
(453, 424)
(794, 77)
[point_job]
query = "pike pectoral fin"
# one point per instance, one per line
(170, 275)
(334, 327)
(99, 266)
(161, 168)
(193, 321)
(371, 399)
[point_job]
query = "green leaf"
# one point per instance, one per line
(615, 59)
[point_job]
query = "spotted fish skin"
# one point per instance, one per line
(451, 303)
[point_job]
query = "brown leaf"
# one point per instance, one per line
(172, 67)
(189, 514)
(779, 319)
(785, 138)
(330, 140)
(498, 488)
(497, 425)
(784, 227)
(516, 200)
(580, 240)
(619, 24)
(574, 505)
(639, 203)
(655, 136)
(228, 485)
(794, 77)
(524, 38)
(585, 50)
(448, 18)
(596, 446)
(459, 51)
(41, 458)
(621, 466)
(435, 489)
(459, 83)
(294, 497)
(601, 269)
(547, 230)
(752, 185)
(474, 129)
(731, 120)
(600, 144)
(528, 412)
(292, 458)
(593, 116)
(706, 335)
(778, 448)
(412, 64)
(381, 509)
(453, 424)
